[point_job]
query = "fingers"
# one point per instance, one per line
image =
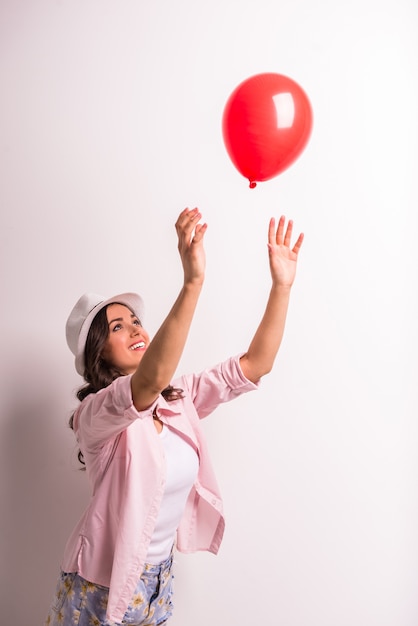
(189, 230)
(282, 236)
(280, 230)
(272, 231)
(188, 219)
(288, 235)
(199, 232)
(298, 243)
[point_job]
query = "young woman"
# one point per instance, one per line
(153, 486)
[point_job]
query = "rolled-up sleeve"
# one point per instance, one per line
(105, 414)
(217, 385)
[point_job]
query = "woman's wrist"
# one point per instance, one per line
(194, 283)
(281, 287)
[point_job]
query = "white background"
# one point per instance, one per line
(110, 122)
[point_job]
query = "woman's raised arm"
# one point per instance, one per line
(162, 356)
(260, 356)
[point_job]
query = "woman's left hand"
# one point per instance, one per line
(282, 258)
(191, 245)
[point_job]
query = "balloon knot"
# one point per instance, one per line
(252, 184)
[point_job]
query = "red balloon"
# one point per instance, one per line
(266, 124)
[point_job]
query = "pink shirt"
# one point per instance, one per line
(125, 465)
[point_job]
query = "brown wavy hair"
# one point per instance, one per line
(99, 373)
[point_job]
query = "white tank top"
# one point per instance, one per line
(182, 466)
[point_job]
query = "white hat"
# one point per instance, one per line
(84, 312)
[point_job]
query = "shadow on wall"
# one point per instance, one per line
(43, 493)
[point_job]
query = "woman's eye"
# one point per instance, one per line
(137, 322)
(116, 327)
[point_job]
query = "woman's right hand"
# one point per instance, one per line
(190, 235)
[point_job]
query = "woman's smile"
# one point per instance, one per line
(140, 345)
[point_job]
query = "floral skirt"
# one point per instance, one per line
(78, 602)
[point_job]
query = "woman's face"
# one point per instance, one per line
(126, 341)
